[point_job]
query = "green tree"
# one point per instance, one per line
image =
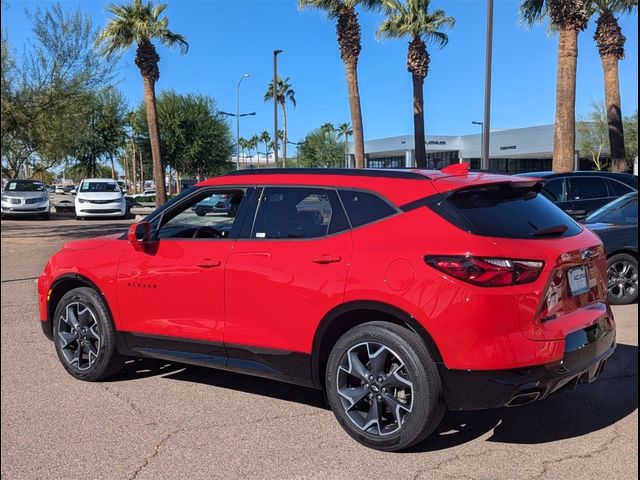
(348, 32)
(631, 137)
(412, 19)
(283, 93)
(593, 137)
(266, 139)
(610, 41)
(139, 24)
(322, 147)
(196, 139)
(568, 18)
(345, 131)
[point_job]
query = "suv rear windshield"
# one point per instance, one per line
(506, 210)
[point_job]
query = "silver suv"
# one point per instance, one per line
(25, 197)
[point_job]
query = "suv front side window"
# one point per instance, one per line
(206, 214)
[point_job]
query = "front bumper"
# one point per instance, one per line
(101, 210)
(25, 209)
(585, 356)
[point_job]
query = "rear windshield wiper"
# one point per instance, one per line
(550, 231)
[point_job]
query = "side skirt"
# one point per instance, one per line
(281, 365)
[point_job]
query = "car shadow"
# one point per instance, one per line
(567, 414)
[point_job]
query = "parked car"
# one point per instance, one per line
(400, 293)
(25, 197)
(51, 189)
(146, 193)
(59, 190)
(215, 204)
(617, 225)
(581, 193)
(99, 197)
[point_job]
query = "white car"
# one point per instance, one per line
(99, 197)
(25, 197)
(59, 189)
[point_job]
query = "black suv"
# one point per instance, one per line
(581, 193)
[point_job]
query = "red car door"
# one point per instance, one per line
(289, 272)
(175, 287)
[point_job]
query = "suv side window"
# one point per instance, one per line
(583, 188)
(554, 190)
(619, 188)
(207, 214)
(294, 212)
(364, 207)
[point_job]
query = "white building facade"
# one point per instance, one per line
(511, 151)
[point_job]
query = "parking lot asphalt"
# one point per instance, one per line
(160, 420)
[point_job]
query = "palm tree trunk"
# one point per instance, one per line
(614, 115)
(113, 167)
(418, 121)
(135, 166)
(564, 140)
(284, 138)
(154, 140)
(356, 112)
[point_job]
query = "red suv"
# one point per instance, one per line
(400, 293)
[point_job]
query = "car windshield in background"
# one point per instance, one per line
(99, 187)
(622, 210)
(507, 210)
(22, 186)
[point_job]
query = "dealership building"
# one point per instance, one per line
(514, 150)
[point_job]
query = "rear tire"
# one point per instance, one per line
(384, 387)
(84, 336)
(622, 279)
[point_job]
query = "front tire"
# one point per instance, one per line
(383, 386)
(622, 279)
(84, 336)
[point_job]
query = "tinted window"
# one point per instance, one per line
(582, 188)
(507, 211)
(622, 210)
(364, 207)
(620, 188)
(207, 214)
(554, 190)
(293, 213)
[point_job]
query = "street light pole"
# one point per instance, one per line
(486, 128)
(275, 106)
(238, 121)
(481, 142)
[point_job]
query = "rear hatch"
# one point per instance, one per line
(527, 226)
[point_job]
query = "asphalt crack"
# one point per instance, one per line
(124, 399)
(18, 279)
(155, 453)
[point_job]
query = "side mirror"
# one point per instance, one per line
(139, 235)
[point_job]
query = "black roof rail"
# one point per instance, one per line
(352, 172)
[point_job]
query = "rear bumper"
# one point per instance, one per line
(585, 356)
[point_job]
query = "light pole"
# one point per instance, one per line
(486, 129)
(237, 115)
(482, 159)
(275, 106)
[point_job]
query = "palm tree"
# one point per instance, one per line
(412, 19)
(348, 31)
(254, 142)
(283, 93)
(345, 130)
(243, 143)
(265, 138)
(568, 18)
(139, 23)
(610, 41)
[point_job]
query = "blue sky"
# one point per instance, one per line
(229, 38)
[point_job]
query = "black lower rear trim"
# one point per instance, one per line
(586, 353)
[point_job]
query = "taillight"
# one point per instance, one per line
(488, 272)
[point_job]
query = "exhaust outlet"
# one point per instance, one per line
(523, 399)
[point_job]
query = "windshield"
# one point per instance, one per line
(622, 210)
(99, 187)
(24, 186)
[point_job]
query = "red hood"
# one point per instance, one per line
(90, 243)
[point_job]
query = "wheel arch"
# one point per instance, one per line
(627, 250)
(348, 315)
(59, 288)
